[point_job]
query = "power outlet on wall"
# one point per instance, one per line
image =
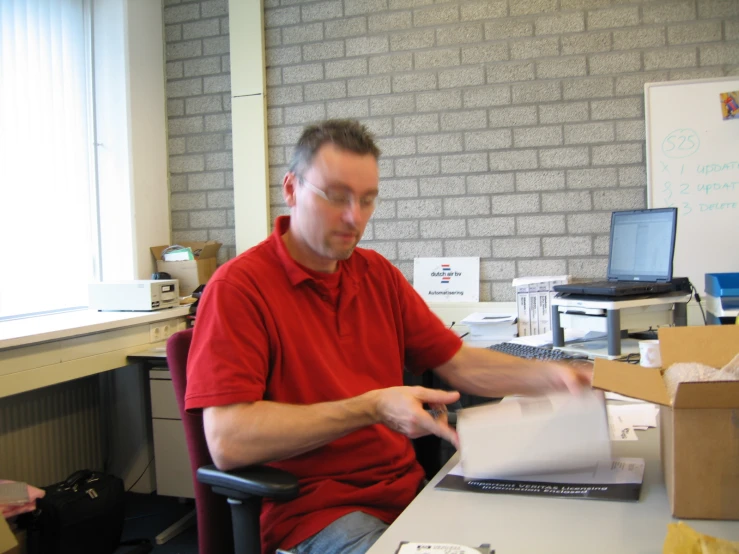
(161, 330)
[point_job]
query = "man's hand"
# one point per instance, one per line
(493, 374)
(552, 376)
(258, 432)
(34, 494)
(401, 409)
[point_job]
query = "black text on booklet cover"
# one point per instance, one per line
(620, 479)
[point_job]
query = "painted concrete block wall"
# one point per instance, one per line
(510, 129)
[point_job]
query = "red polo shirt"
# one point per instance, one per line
(266, 329)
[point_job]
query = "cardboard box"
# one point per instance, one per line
(699, 432)
(9, 543)
(192, 273)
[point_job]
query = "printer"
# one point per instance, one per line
(134, 296)
(722, 298)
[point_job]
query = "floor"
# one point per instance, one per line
(147, 515)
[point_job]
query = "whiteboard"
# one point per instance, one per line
(693, 164)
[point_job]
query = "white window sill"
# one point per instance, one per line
(35, 330)
(46, 350)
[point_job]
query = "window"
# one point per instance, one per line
(48, 196)
(83, 148)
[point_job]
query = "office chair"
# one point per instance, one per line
(243, 488)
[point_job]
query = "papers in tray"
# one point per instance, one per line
(491, 326)
(617, 479)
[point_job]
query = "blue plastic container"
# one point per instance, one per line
(722, 285)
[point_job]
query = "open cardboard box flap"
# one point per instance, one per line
(7, 539)
(713, 345)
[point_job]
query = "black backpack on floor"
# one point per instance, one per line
(84, 513)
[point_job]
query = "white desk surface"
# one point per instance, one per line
(42, 351)
(522, 525)
(34, 330)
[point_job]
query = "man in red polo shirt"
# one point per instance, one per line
(299, 349)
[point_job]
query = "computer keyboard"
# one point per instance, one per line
(534, 352)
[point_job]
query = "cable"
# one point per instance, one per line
(140, 476)
(463, 335)
(698, 301)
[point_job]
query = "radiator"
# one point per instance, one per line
(48, 433)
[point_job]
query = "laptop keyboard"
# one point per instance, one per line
(534, 352)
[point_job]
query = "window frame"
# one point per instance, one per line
(129, 156)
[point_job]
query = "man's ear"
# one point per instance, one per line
(289, 188)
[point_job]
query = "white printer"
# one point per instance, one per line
(134, 296)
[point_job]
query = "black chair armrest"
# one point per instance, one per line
(251, 481)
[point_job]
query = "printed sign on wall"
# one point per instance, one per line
(447, 279)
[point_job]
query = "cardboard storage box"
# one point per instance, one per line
(699, 432)
(10, 543)
(192, 273)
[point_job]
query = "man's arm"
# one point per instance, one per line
(263, 431)
(484, 372)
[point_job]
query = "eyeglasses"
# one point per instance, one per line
(342, 199)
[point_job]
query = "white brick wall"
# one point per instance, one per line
(510, 128)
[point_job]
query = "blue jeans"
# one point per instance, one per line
(353, 533)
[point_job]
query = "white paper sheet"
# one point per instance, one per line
(620, 430)
(639, 416)
(620, 397)
(557, 432)
(439, 548)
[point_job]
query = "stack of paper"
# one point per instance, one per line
(625, 418)
(178, 254)
(491, 326)
(545, 434)
(555, 445)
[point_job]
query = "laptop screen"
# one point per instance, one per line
(642, 245)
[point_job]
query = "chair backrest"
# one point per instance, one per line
(213, 514)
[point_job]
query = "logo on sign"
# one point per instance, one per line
(445, 272)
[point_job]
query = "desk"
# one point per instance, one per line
(171, 458)
(516, 524)
(64, 426)
(40, 351)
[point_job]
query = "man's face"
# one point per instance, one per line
(331, 203)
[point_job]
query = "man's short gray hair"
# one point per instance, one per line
(345, 134)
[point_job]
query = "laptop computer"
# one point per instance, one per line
(642, 246)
